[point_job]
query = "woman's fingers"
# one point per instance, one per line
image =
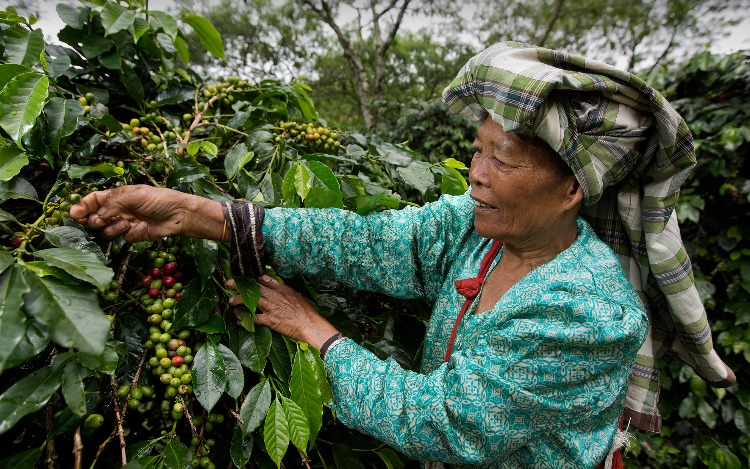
(89, 204)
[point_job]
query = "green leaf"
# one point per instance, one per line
(276, 432)
(323, 177)
(107, 169)
(255, 347)
(453, 183)
(138, 28)
(209, 148)
(27, 395)
(33, 341)
(12, 317)
(241, 448)
(205, 253)
(255, 406)
(209, 375)
(17, 188)
(10, 71)
(214, 325)
(319, 368)
(23, 47)
(112, 61)
(304, 390)
(132, 83)
(299, 431)
(390, 458)
(706, 413)
(62, 119)
(193, 148)
(418, 175)
(141, 449)
(209, 36)
(57, 66)
(70, 312)
(394, 154)
(73, 389)
(249, 291)
(233, 367)
(318, 197)
(345, 458)
(166, 22)
(454, 163)
(81, 265)
(106, 362)
(74, 238)
(176, 455)
(21, 102)
(6, 259)
(302, 181)
(365, 204)
(11, 162)
(182, 49)
(288, 188)
(195, 306)
(280, 358)
(23, 460)
(72, 16)
(116, 18)
(237, 157)
(93, 46)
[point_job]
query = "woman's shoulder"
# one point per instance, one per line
(590, 269)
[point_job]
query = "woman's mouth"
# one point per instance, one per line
(480, 204)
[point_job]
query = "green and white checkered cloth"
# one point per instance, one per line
(631, 152)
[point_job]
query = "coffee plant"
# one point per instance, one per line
(118, 354)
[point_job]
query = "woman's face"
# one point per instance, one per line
(519, 193)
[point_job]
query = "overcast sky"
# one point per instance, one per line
(50, 24)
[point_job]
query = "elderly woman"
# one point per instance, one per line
(535, 326)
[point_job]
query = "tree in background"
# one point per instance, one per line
(637, 35)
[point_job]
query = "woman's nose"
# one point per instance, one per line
(478, 172)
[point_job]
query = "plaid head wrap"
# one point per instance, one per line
(631, 152)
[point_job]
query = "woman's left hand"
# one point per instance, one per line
(284, 310)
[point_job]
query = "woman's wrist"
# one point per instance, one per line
(204, 218)
(330, 343)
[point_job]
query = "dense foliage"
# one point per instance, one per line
(703, 426)
(116, 353)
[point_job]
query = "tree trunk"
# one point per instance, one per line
(365, 93)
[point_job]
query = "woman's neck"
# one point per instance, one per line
(534, 251)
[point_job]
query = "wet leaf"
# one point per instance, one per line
(81, 265)
(209, 375)
(70, 312)
(235, 376)
(255, 406)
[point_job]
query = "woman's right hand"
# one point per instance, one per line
(141, 212)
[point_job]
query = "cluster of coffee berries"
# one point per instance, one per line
(226, 91)
(86, 101)
(307, 134)
(112, 291)
(135, 394)
(171, 357)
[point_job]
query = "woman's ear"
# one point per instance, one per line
(573, 194)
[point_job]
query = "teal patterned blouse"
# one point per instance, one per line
(538, 381)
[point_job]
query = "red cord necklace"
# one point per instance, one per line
(470, 288)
